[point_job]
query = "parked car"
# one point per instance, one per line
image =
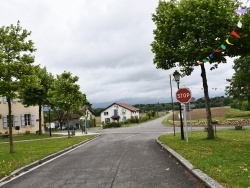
(72, 127)
(64, 127)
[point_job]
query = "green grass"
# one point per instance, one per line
(28, 152)
(236, 113)
(30, 137)
(225, 159)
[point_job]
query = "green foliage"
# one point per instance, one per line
(27, 132)
(111, 125)
(149, 114)
(134, 119)
(240, 104)
(245, 106)
(239, 85)
(225, 159)
(185, 34)
(16, 65)
(31, 96)
(17, 128)
(38, 96)
(65, 96)
(144, 118)
(236, 113)
(97, 111)
(186, 30)
(92, 121)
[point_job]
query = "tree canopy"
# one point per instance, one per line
(16, 65)
(187, 31)
(65, 95)
(191, 33)
(31, 96)
(239, 83)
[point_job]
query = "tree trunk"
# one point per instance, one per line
(68, 123)
(40, 119)
(210, 130)
(10, 126)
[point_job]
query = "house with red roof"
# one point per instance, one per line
(119, 112)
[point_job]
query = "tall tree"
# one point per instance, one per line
(16, 65)
(38, 96)
(185, 34)
(240, 83)
(65, 95)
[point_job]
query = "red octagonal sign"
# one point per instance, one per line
(183, 95)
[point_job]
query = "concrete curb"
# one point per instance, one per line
(208, 181)
(41, 161)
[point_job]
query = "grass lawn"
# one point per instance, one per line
(225, 159)
(28, 152)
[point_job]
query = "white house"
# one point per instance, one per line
(119, 112)
(27, 118)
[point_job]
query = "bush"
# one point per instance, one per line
(127, 121)
(17, 128)
(27, 132)
(113, 124)
(245, 106)
(144, 118)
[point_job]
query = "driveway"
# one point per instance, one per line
(119, 158)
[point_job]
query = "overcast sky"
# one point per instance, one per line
(106, 43)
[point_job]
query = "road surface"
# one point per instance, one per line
(119, 158)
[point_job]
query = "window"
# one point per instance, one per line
(27, 119)
(107, 120)
(115, 112)
(106, 113)
(14, 121)
(5, 100)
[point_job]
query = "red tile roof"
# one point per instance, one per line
(127, 106)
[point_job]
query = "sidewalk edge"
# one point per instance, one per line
(208, 181)
(41, 161)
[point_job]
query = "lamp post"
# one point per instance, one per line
(177, 76)
(49, 107)
(170, 78)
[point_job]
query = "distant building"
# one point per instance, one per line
(27, 118)
(119, 112)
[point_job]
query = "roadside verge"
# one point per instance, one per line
(43, 160)
(208, 181)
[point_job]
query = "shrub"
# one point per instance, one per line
(113, 124)
(245, 106)
(127, 121)
(144, 118)
(27, 132)
(17, 128)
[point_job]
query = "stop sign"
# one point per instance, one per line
(183, 95)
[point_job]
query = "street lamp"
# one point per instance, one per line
(177, 77)
(172, 101)
(49, 108)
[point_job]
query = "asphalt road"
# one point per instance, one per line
(119, 158)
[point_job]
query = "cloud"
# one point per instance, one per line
(106, 44)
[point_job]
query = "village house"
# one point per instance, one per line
(27, 118)
(119, 112)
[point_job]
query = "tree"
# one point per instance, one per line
(65, 95)
(185, 34)
(16, 66)
(38, 96)
(239, 83)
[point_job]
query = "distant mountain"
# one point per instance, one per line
(133, 101)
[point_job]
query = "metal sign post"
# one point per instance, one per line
(185, 121)
(184, 95)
